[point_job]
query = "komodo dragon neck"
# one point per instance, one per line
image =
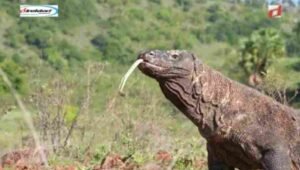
(199, 97)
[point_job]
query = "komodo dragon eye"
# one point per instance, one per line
(175, 56)
(151, 53)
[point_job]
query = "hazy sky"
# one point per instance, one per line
(296, 2)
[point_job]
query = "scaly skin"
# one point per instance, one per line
(244, 129)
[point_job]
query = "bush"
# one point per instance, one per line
(100, 42)
(62, 55)
(39, 38)
(165, 15)
(260, 50)
(225, 26)
(75, 12)
(14, 38)
(2, 56)
(156, 1)
(16, 75)
(184, 4)
(55, 59)
(137, 14)
(293, 41)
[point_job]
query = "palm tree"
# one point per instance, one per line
(260, 50)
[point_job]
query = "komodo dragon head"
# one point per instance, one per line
(163, 65)
(177, 73)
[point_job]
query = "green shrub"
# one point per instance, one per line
(293, 41)
(164, 14)
(55, 59)
(14, 38)
(156, 1)
(226, 26)
(75, 12)
(137, 14)
(184, 4)
(39, 38)
(261, 49)
(100, 42)
(2, 56)
(17, 58)
(16, 75)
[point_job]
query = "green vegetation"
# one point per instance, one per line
(263, 47)
(68, 69)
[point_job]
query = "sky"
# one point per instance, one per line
(296, 2)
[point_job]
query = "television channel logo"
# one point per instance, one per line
(38, 10)
(275, 8)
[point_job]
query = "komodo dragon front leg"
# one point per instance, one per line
(215, 163)
(276, 158)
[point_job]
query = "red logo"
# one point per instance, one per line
(23, 10)
(274, 11)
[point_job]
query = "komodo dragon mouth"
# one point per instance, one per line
(150, 66)
(159, 65)
(165, 64)
(146, 64)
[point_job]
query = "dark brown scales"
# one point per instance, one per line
(244, 129)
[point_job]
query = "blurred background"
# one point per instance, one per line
(68, 69)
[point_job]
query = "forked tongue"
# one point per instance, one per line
(125, 77)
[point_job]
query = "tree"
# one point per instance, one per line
(263, 59)
(260, 50)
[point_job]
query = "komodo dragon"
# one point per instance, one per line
(244, 128)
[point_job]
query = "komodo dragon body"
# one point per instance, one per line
(244, 128)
